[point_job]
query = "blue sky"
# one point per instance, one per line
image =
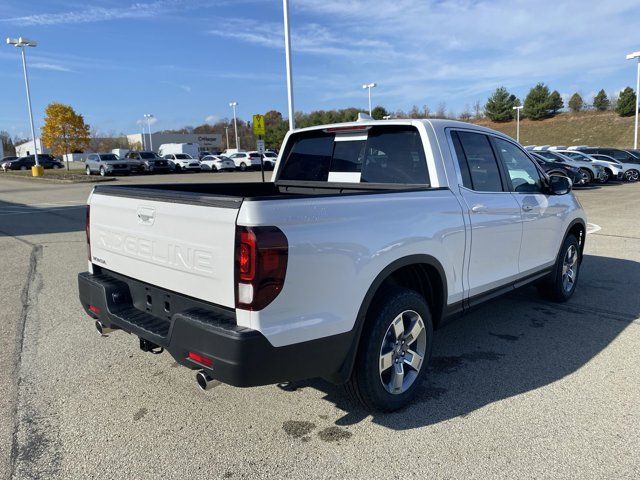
(184, 60)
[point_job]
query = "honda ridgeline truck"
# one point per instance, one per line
(370, 235)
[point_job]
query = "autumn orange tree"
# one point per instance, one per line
(64, 130)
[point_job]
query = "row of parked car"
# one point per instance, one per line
(151, 162)
(585, 165)
(25, 163)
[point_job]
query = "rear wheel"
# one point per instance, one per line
(243, 166)
(87, 170)
(394, 351)
(561, 283)
(631, 175)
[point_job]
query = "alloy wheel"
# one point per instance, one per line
(632, 175)
(570, 268)
(402, 353)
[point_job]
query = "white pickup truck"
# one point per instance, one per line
(370, 235)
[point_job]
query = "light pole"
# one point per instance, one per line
(142, 135)
(517, 109)
(235, 123)
(226, 131)
(22, 43)
(631, 56)
(149, 116)
(287, 54)
(369, 86)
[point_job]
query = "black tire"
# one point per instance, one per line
(553, 286)
(178, 168)
(366, 382)
(102, 172)
(588, 175)
(243, 167)
(88, 170)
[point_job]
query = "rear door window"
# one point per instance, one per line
(483, 167)
(382, 154)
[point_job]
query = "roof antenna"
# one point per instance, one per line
(363, 117)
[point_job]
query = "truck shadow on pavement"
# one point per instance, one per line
(18, 219)
(513, 345)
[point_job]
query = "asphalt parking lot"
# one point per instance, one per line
(520, 388)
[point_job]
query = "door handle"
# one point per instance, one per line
(478, 208)
(527, 208)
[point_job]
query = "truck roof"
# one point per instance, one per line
(437, 124)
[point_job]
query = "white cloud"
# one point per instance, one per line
(49, 66)
(101, 14)
(455, 51)
(211, 119)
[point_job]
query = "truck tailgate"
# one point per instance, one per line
(185, 245)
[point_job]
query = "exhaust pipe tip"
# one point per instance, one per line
(205, 382)
(102, 330)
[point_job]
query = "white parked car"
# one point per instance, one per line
(614, 170)
(217, 163)
(269, 158)
(246, 160)
(370, 235)
(182, 162)
(589, 170)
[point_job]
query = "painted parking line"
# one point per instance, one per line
(593, 228)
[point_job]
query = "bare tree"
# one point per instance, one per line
(465, 115)
(477, 109)
(441, 112)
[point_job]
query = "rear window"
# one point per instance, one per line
(383, 154)
(182, 156)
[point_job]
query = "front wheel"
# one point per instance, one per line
(561, 283)
(587, 176)
(102, 172)
(394, 351)
(88, 171)
(632, 175)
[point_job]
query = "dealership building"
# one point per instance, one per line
(208, 141)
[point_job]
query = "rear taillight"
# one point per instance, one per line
(261, 265)
(88, 231)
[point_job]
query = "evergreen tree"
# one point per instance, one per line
(378, 113)
(556, 102)
(499, 106)
(626, 103)
(576, 103)
(601, 101)
(537, 104)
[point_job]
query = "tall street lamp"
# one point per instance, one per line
(369, 86)
(631, 56)
(226, 131)
(517, 109)
(235, 123)
(149, 116)
(287, 53)
(22, 43)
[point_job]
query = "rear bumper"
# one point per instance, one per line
(241, 356)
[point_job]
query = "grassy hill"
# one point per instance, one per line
(603, 129)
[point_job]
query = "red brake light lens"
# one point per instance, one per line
(94, 309)
(196, 357)
(261, 265)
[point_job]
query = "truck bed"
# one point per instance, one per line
(231, 195)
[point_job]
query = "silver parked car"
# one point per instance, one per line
(106, 164)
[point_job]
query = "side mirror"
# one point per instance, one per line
(559, 184)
